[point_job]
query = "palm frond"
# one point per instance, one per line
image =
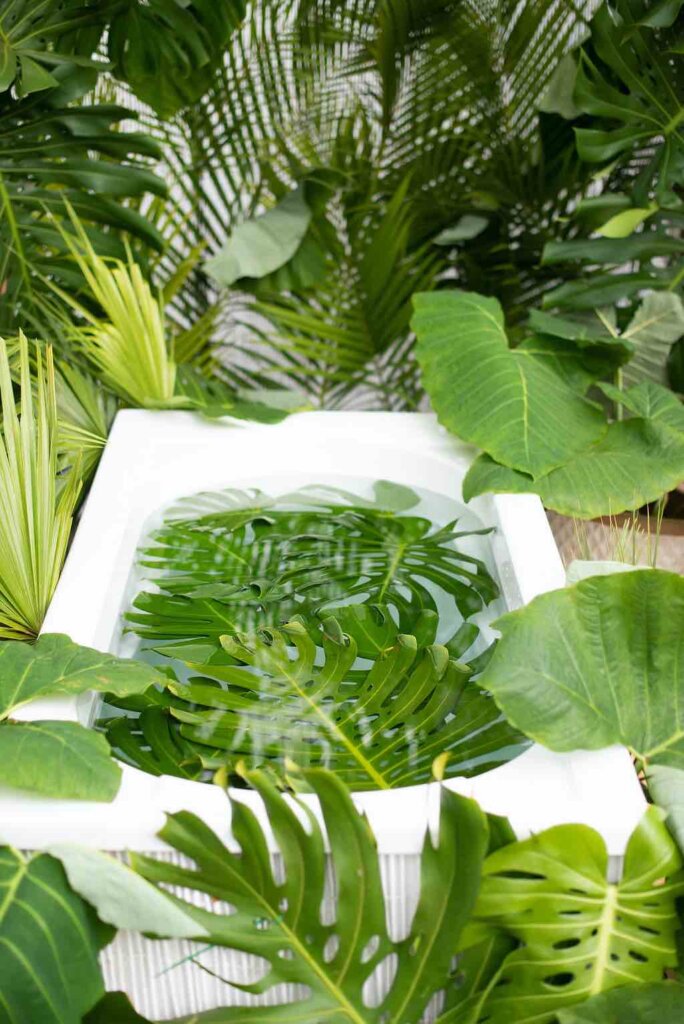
(37, 504)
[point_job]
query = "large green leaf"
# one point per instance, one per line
(49, 942)
(651, 402)
(168, 50)
(55, 665)
(510, 402)
(120, 896)
(57, 759)
(635, 462)
(239, 567)
(300, 695)
(654, 328)
(596, 664)
(280, 919)
(581, 934)
(260, 246)
(659, 1003)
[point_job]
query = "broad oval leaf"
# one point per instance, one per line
(509, 402)
(581, 934)
(259, 246)
(635, 462)
(55, 665)
(57, 759)
(596, 664)
(49, 943)
(280, 920)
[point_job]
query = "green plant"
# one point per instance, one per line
(128, 348)
(50, 941)
(35, 524)
(527, 407)
(299, 695)
(60, 758)
(280, 920)
(336, 140)
(627, 84)
(581, 934)
(621, 683)
(240, 560)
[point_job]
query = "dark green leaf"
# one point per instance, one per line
(49, 942)
(57, 759)
(507, 401)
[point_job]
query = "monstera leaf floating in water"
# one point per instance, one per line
(247, 561)
(301, 694)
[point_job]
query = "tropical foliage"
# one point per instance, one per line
(60, 758)
(356, 680)
(542, 430)
(246, 208)
(37, 505)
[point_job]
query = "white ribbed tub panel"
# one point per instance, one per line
(163, 981)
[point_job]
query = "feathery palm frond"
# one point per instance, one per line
(37, 504)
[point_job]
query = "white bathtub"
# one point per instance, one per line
(153, 458)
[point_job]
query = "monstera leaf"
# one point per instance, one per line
(300, 695)
(581, 934)
(630, 90)
(279, 918)
(49, 942)
(168, 50)
(513, 403)
(239, 568)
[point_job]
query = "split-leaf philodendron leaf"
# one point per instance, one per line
(299, 694)
(510, 402)
(581, 934)
(280, 920)
(60, 758)
(49, 944)
(248, 561)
